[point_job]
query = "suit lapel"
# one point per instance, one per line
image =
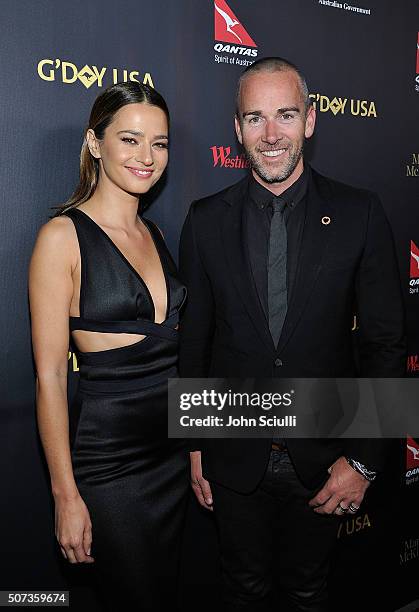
(234, 236)
(316, 237)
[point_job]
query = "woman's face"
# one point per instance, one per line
(134, 150)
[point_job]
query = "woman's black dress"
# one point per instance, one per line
(133, 479)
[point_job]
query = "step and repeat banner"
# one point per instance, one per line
(361, 61)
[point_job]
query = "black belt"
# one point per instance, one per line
(125, 385)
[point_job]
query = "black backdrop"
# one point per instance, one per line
(361, 64)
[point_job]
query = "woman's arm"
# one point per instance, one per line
(50, 293)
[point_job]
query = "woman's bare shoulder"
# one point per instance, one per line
(58, 236)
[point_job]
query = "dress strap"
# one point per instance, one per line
(165, 330)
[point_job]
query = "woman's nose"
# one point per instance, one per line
(144, 154)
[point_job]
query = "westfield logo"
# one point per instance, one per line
(221, 156)
(413, 363)
(227, 28)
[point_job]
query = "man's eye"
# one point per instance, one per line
(287, 116)
(129, 140)
(254, 119)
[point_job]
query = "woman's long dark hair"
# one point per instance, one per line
(104, 108)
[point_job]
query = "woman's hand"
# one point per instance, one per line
(73, 530)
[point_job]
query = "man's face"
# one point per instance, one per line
(273, 124)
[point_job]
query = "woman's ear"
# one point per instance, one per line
(93, 143)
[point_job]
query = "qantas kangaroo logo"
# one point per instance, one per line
(230, 23)
(412, 454)
(414, 260)
(415, 452)
(228, 28)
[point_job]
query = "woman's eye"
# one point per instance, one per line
(161, 145)
(129, 140)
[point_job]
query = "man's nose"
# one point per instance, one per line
(272, 132)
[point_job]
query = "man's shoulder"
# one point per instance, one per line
(228, 195)
(340, 191)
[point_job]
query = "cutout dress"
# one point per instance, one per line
(133, 479)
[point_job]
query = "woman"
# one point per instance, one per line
(119, 484)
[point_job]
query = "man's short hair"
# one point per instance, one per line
(274, 64)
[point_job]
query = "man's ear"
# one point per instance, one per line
(238, 129)
(93, 143)
(310, 122)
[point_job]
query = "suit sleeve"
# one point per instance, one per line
(380, 311)
(197, 323)
(380, 314)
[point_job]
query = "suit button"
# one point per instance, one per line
(278, 362)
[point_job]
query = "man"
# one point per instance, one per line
(274, 266)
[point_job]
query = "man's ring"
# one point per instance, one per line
(353, 508)
(342, 509)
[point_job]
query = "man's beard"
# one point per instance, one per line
(286, 171)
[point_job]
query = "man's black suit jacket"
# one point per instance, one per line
(344, 266)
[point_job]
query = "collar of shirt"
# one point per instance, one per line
(262, 197)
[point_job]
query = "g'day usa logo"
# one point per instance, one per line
(233, 43)
(412, 461)
(66, 72)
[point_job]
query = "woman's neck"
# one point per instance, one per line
(113, 206)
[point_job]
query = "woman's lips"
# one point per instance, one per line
(140, 173)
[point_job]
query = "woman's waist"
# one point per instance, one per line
(145, 360)
(140, 353)
(106, 380)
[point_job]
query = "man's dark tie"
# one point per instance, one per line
(277, 269)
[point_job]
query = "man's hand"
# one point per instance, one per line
(343, 491)
(200, 486)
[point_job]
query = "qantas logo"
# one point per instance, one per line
(414, 260)
(227, 28)
(412, 454)
(229, 24)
